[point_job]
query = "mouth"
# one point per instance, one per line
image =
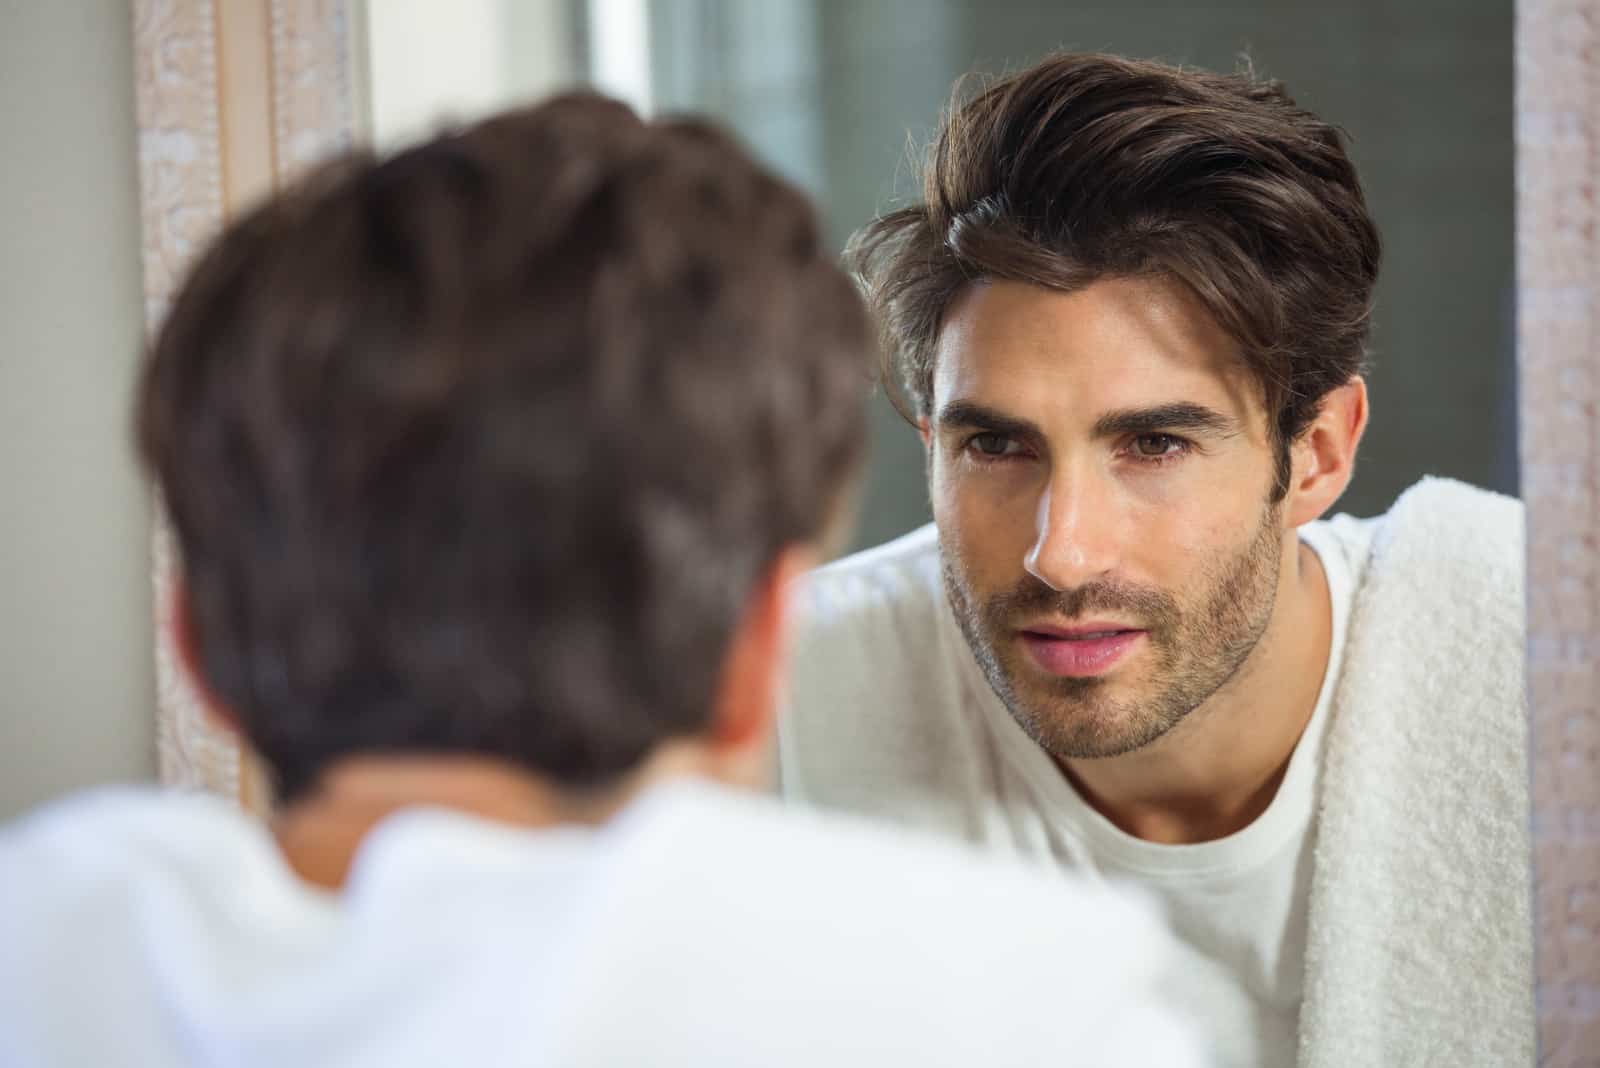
(1083, 650)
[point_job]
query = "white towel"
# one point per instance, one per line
(1420, 948)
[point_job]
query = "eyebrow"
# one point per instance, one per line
(1183, 415)
(975, 416)
(1178, 416)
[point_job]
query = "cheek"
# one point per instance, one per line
(1181, 528)
(986, 523)
(1194, 528)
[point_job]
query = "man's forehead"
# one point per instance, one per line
(1116, 344)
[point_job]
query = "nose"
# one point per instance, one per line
(1074, 540)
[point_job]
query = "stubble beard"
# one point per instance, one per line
(1195, 649)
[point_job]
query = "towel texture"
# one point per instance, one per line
(1420, 943)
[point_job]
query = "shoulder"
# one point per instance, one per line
(888, 936)
(1466, 527)
(91, 855)
(1424, 774)
(1442, 542)
(878, 718)
(845, 871)
(85, 879)
(103, 830)
(1452, 548)
(897, 582)
(867, 626)
(1432, 685)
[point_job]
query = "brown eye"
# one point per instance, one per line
(1153, 445)
(991, 444)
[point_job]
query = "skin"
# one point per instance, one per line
(320, 836)
(1104, 458)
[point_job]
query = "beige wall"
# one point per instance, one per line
(76, 690)
(429, 63)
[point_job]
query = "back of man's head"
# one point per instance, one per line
(481, 449)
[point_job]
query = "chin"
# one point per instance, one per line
(1089, 724)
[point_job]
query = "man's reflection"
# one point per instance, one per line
(1129, 321)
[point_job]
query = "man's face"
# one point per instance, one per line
(1101, 469)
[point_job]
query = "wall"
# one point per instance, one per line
(76, 686)
(431, 63)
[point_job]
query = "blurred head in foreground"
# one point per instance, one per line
(503, 447)
(490, 464)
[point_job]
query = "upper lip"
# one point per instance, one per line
(1078, 630)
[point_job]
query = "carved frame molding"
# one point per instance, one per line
(1558, 354)
(234, 98)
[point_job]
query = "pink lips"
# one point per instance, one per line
(1082, 650)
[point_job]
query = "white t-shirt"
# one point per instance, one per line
(890, 716)
(700, 928)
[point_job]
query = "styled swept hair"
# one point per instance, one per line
(1091, 166)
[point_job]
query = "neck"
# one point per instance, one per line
(1219, 769)
(320, 834)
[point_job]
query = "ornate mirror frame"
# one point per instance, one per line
(1558, 373)
(234, 98)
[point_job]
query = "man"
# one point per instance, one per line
(490, 465)
(1128, 320)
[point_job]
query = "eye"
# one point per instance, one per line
(992, 446)
(1158, 446)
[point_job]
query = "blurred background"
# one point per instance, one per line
(841, 95)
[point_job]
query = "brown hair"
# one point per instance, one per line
(1092, 166)
(482, 448)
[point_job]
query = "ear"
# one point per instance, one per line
(1324, 457)
(923, 432)
(746, 707)
(186, 650)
